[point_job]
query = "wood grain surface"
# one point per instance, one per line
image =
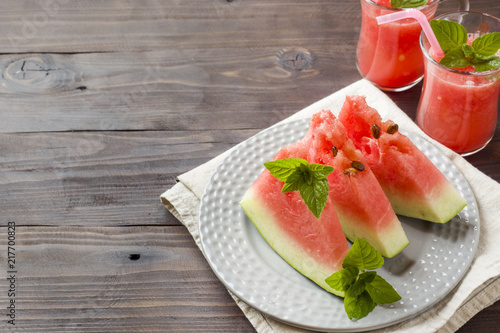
(104, 103)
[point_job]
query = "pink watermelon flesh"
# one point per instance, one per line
(362, 207)
(414, 186)
(314, 247)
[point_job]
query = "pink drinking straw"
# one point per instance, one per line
(421, 18)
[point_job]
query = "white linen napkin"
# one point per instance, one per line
(479, 288)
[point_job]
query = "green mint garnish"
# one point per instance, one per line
(450, 35)
(487, 45)
(452, 38)
(363, 255)
(307, 178)
(363, 289)
(455, 59)
(407, 3)
(488, 65)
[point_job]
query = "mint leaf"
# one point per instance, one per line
(487, 45)
(368, 277)
(407, 3)
(314, 194)
(450, 35)
(293, 180)
(381, 291)
(469, 51)
(358, 306)
(295, 175)
(356, 288)
(306, 174)
(309, 179)
(487, 65)
(320, 171)
(290, 187)
(455, 59)
(363, 291)
(343, 279)
(363, 256)
(282, 169)
(477, 59)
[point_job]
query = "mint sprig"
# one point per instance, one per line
(307, 178)
(364, 290)
(452, 38)
(407, 3)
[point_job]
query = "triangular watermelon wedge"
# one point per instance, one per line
(314, 246)
(362, 207)
(413, 184)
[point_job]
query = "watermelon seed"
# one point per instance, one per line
(334, 151)
(375, 131)
(358, 165)
(393, 128)
(350, 172)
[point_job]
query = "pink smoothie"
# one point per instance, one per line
(389, 55)
(459, 108)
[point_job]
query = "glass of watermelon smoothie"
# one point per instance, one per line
(459, 108)
(389, 55)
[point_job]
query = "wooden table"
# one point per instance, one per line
(104, 103)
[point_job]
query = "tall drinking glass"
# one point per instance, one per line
(389, 55)
(458, 108)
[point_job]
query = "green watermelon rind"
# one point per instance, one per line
(282, 244)
(444, 205)
(388, 242)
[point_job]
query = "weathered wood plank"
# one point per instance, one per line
(114, 280)
(160, 90)
(67, 26)
(72, 26)
(106, 178)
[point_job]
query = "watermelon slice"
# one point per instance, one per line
(414, 186)
(362, 207)
(315, 247)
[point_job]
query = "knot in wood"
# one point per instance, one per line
(36, 74)
(295, 60)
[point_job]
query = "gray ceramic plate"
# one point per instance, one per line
(423, 273)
